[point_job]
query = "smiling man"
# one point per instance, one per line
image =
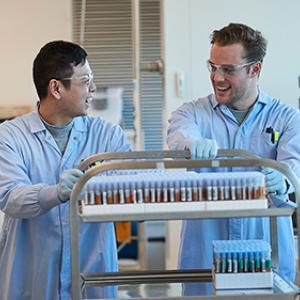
(238, 115)
(39, 153)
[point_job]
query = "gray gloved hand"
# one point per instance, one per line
(203, 148)
(66, 182)
(275, 181)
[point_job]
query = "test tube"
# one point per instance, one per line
(218, 262)
(177, 191)
(110, 199)
(98, 199)
(234, 263)
(152, 191)
(127, 193)
(233, 191)
(88, 189)
(244, 188)
(201, 195)
(171, 185)
(158, 191)
(195, 190)
(140, 197)
(226, 190)
(224, 264)
(251, 262)
(262, 187)
(133, 192)
(165, 190)
(257, 262)
(259, 187)
(220, 189)
(92, 197)
(116, 193)
(268, 261)
(246, 262)
(189, 191)
(103, 192)
(214, 190)
(207, 190)
(263, 262)
(229, 263)
(146, 192)
(121, 192)
(238, 189)
(182, 191)
(241, 262)
(249, 188)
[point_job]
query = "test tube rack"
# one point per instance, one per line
(242, 264)
(175, 191)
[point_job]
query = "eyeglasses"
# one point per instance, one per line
(86, 78)
(227, 70)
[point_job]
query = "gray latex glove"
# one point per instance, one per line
(202, 148)
(275, 181)
(66, 182)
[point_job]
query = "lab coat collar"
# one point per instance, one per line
(80, 124)
(262, 98)
(36, 124)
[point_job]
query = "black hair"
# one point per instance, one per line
(56, 60)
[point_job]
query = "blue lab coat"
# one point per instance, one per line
(205, 118)
(34, 242)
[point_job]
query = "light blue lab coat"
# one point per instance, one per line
(34, 242)
(205, 118)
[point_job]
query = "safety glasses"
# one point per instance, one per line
(227, 70)
(86, 78)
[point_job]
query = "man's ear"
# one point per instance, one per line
(54, 88)
(255, 69)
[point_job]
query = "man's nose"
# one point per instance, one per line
(92, 87)
(218, 75)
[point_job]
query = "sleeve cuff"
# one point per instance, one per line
(281, 201)
(48, 197)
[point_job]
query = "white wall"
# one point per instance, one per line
(25, 26)
(187, 25)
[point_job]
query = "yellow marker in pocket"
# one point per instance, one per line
(275, 136)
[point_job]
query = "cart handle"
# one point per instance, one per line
(178, 154)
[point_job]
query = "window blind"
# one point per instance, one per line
(107, 39)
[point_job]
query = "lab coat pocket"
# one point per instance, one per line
(262, 145)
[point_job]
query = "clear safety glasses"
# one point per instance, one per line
(227, 70)
(86, 78)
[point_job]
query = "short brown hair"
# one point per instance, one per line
(254, 43)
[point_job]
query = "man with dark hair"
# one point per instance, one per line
(240, 116)
(39, 153)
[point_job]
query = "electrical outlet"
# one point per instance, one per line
(181, 84)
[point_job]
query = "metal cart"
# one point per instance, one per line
(180, 159)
